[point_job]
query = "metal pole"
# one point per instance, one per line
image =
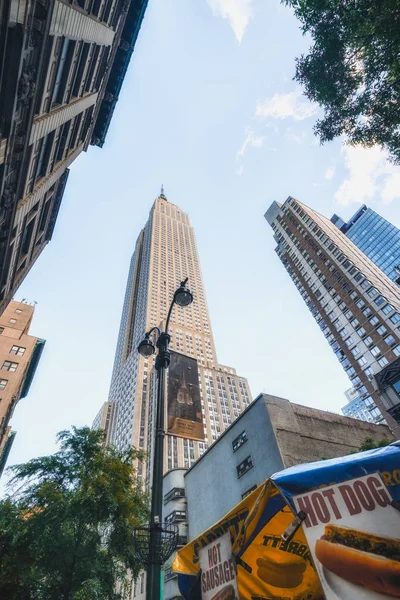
(153, 587)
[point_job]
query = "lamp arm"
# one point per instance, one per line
(148, 334)
(169, 314)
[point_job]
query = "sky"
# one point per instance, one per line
(210, 110)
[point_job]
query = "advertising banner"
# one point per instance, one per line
(353, 533)
(218, 574)
(184, 403)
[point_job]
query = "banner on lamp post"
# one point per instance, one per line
(184, 402)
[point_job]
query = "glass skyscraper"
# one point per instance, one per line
(376, 237)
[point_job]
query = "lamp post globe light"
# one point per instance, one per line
(155, 543)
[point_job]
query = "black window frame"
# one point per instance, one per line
(244, 466)
(239, 441)
(248, 491)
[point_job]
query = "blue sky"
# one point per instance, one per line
(209, 109)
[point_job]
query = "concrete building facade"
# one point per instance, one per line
(19, 357)
(355, 304)
(62, 64)
(270, 435)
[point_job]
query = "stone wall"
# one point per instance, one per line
(306, 434)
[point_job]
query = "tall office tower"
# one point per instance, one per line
(62, 64)
(19, 357)
(164, 255)
(376, 237)
(355, 304)
(357, 409)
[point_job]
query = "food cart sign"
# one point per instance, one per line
(218, 572)
(353, 533)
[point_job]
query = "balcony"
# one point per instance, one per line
(177, 516)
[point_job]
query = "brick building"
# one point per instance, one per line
(19, 357)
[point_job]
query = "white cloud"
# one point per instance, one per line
(330, 173)
(370, 174)
(251, 139)
(238, 13)
(282, 106)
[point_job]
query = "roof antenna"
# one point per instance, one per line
(162, 191)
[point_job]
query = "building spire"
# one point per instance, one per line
(162, 192)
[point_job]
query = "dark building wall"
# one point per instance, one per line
(57, 59)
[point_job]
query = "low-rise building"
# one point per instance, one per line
(19, 357)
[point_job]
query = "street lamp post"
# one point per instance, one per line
(182, 297)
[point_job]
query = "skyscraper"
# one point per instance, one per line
(376, 237)
(62, 64)
(357, 409)
(164, 255)
(356, 305)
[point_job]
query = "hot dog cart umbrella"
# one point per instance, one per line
(328, 529)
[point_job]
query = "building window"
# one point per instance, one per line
(396, 350)
(375, 351)
(387, 309)
(239, 441)
(368, 341)
(395, 318)
(18, 311)
(18, 350)
(362, 361)
(380, 300)
(355, 351)
(361, 331)
(13, 321)
(372, 291)
(244, 466)
(247, 492)
(390, 340)
(374, 320)
(383, 361)
(1, 330)
(9, 366)
(382, 329)
(168, 575)
(3, 383)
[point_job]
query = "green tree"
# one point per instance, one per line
(369, 444)
(66, 533)
(353, 69)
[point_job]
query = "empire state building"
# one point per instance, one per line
(164, 255)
